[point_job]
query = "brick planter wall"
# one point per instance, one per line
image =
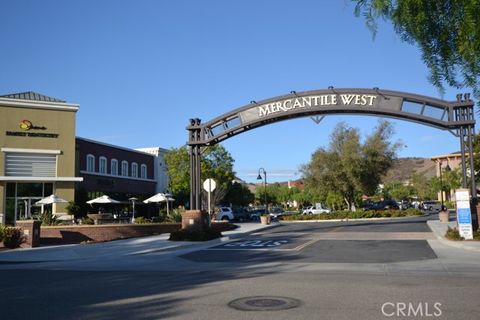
(56, 235)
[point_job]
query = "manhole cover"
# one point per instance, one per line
(261, 303)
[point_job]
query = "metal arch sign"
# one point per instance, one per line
(411, 107)
(455, 116)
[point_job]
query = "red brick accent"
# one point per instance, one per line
(82, 233)
(31, 231)
(195, 220)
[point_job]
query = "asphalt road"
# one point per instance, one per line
(399, 272)
(328, 242)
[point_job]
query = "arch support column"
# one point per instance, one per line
(466, 133)
(195, 144)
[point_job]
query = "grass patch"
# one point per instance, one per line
(195, 235)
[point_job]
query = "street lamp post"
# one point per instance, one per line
(260, 171)
(133, 199)
(447, 168)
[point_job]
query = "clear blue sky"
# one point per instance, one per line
(141, 69)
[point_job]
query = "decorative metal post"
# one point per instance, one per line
(195, 143)
(261, 170)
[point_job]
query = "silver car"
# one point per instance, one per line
(432, 205)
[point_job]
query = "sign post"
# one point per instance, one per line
(464, 214)
(209, 185)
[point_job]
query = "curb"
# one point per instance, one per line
(450, 243)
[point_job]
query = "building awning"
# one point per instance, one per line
(40, 179)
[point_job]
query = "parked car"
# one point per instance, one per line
(318, 209)
(382, 205)
(432, 205)
(255, 213)
(225, 214)
(276, 212)
(241, 215)
(405, 204)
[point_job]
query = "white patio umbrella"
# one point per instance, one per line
(160, 197)
(103, 199)
(51, 199)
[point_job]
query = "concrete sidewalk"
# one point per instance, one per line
(440, 228)
(127, 247)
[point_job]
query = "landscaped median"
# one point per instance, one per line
(341, 215)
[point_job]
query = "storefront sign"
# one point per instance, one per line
(464, 214)
(316, 101)
(311, 102)
(26, 126)
(31, 134)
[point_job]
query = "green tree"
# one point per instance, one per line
(239, 195)
(177, 161)
(422, 187)
(349, 166)
(217, 163)
(398, 191)
(334, 201)
(451, 180)
(446, 31)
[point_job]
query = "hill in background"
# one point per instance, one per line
(403, 169)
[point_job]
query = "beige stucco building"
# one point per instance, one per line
(450, 161)
(37, 153)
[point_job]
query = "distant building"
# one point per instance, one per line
(159, 167)
(119, 172)
(450, 161)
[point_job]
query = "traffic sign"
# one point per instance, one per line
(209, 185)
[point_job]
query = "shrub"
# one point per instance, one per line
(195, 235)
(47, 218)
(13, 237)
(2, 232)
(87, 220)
(174, 217)
(453, 234)
(354, 215)
(476, 235)
(142, 220)
(73, 209)
(412, 212)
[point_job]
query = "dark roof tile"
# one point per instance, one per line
(30, 95)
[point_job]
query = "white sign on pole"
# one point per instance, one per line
(209, 185)
(464, 215)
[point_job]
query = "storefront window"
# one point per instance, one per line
(47, 189)
(134, 170)
(10, 190)
(114, 167)
(90, 163)
(102, 167)
(125, 168)
(29, 190)
(21, 199)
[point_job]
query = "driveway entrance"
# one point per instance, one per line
(385, 241)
